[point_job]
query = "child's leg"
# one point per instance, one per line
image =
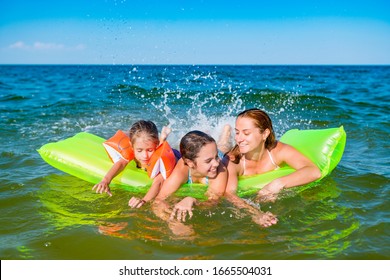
(224, 143)
(164, 133)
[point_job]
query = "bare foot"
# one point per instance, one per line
(225, 142)
(164, 133)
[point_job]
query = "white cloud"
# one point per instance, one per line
(45, 46)
(80, 47)
(18, 45)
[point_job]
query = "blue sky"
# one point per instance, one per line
(194, 32)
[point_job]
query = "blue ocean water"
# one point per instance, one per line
(47, 214)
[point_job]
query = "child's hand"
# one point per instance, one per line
(183, 208)
(136, 202)
(102, 187)
(161, 209)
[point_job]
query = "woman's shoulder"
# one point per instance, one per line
(283, 146)
(283, 150)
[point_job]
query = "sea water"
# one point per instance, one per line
(47, 214)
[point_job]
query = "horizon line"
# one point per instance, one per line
(191, 64)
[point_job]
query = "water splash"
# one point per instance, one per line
(199, 112)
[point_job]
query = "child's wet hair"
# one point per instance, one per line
(192, 142)
(144, 128)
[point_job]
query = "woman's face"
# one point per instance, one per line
(143, 150)
(248, 136)
(207, 162)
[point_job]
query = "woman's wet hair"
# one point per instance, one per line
(146, 129)
(263, 122)
(192, 142)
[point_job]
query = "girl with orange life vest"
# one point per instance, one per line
(139, 145)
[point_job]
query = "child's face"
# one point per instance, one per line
(143, 150)
(207, 161)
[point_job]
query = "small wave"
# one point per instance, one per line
(13, 97)
(127, 89)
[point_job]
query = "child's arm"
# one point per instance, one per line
(153, 191)
(170, 185)
(103, 186)
(179, 176)
(173, 182)
(157, 182)
(214, 192)
(217, 186)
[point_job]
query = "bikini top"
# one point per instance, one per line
(189, 181)
(270, 157)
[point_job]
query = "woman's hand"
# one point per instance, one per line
(270, 192)
(135, 202)
(266, 219)
(102, 187)
(183, 208)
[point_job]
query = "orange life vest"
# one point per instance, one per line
(119, 146)
(162, 161)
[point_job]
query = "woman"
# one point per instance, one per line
(257, 151)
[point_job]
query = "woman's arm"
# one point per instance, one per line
(306, 172)
(103, 185)
(233, 173)
(231, 188)
(263, 219)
